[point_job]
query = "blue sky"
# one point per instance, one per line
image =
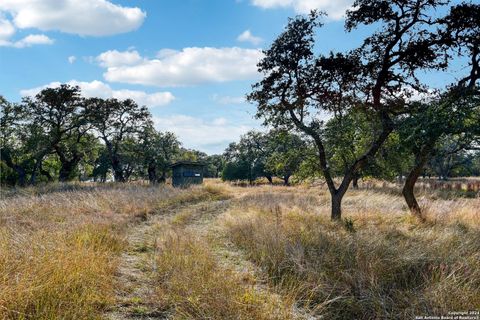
(190, 61)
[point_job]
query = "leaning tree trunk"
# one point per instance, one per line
(21, 172)
(269, 178)
(152, 174)
(355, 182)
(408, 190)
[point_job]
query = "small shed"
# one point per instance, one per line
(186, 173)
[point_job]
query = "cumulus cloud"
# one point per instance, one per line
(334, 8)
(114, 58)
(85, 17)
(247, 36)
(228, 99)
(28, 41)
(102, 90)
(72, 59)
(190, 66)
(209, 136)
(6, 29)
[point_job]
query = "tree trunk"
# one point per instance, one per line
(163, 177)
(22, 176)
(270, 179)
(409, 195)
(117, 170)
(20, 170)
(118, 176)
(336, 206)
(285, 180)
(66, 170)
(33, 177)
(152, 174)
(337, 194)
(355, 181)
(421, 160)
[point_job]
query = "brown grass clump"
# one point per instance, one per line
(58, 276)
(192, 284)
(372, 266)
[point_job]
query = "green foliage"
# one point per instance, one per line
(250, 155)
(238, 170)
(276, 153)
(286, 153)
(159, 150)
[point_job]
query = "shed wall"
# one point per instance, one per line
(187, 174)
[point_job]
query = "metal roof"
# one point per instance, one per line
(190, 163)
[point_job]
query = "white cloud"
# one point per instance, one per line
(210, 136)
(72, 59)
(33, 39)
(28, 41)
(82, 17)
(334, 8)
(102, 90)
(114, 58)
(6, 29)
(247, 36)
(228, 99)
(191, 66)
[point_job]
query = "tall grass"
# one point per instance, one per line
(379, 264)
(59, 248)
(191, 284)
(58, 276)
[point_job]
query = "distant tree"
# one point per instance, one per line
(159, 151)
(117, 122)
(237, 170)
(252, 149)
(298, 85)
(25, 144)
(455, 112)
(349, 135)
(451, 154)
(60, 113)
(286, 153)
(13, 152)
(214, 165)
(101, 165)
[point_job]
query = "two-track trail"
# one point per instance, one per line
(135, 277)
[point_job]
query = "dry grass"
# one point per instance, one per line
(379, 264)
(191, 284)
(59, 275)
(59, 246)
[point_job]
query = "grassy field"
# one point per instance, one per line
(219, 251)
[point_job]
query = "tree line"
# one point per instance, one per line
(60, 135)
(338, 116)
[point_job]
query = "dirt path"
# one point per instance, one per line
(137, 265)
(136, 273)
